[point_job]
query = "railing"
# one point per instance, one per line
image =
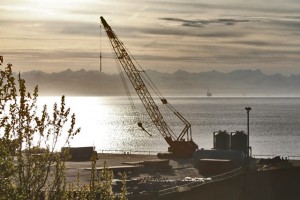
(263, 156)
(228, 174)
(118, 151)
(272, 156)
(293, 157)
(168, 191)
(194, 184)
(127, 152)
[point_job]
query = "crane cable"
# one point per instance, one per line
(152, 85)
(100, 56)
(123, 82)
(120, 72)
(119, 69)
(148, 80)
(159, 94)
(149, 83)
(140, 124)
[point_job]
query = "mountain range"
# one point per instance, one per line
(96, 83)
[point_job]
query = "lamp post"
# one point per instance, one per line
(248, 131)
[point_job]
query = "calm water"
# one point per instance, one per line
(109, 123)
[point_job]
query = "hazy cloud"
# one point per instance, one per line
(203, 23)
(166, 35)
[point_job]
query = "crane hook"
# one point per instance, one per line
(143, 129)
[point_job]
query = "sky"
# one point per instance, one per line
(171, 35)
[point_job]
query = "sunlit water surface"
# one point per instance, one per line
(109, 123)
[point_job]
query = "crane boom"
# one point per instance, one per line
(177, 145)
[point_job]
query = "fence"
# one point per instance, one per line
(198, 183)
(127, 152)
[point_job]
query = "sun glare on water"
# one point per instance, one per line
(108, 123)
(92, 120)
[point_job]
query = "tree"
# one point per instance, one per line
(30, 166)
(24, 132)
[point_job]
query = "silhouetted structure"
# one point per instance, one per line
(179, 146)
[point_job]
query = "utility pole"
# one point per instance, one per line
(248, 129)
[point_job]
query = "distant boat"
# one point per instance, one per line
(209, 94)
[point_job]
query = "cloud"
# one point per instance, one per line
(293, 17)
(172, 33)
(63, 55)
(205, 34)
(204, 23)
(74, 28)
(54, 27)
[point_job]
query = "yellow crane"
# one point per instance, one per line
(181, 145)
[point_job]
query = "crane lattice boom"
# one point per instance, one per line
(178, 145)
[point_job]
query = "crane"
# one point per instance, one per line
(181, 145)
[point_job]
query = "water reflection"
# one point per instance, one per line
(109, 123)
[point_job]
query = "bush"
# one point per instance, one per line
(30, 167)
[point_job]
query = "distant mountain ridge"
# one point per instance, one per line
(96, 83)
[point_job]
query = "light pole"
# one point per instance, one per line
(248, 131)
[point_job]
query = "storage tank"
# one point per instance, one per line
(221, 140)
(239, 141)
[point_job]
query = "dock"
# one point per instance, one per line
(179, 179)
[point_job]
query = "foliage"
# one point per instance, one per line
(34, 138)
(30, 166)
(123, 189)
